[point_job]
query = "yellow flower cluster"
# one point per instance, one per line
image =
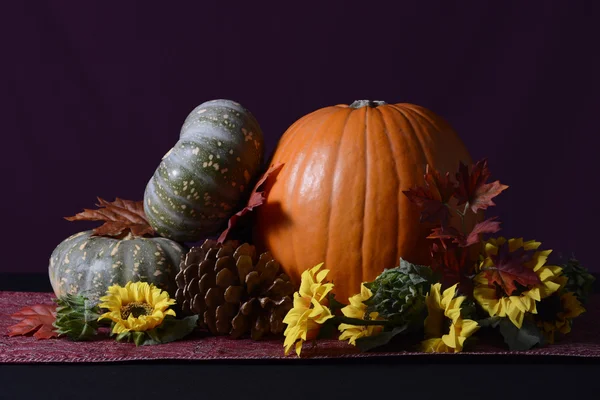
(310, 309)
(357, 309)
(511, 281)
(516, 306)
(444, 309)
(569, 308)
(137, 307)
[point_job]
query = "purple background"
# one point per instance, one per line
(93, 96)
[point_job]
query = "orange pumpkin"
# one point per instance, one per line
(338, 198)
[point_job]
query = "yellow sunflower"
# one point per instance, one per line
(513, 259)
(357, 309)
(556, 313)
(136, 307)
(310, 309)
(443, 310)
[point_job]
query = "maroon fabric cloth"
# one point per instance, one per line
(584, 341)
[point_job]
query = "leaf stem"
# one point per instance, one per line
(462, 217)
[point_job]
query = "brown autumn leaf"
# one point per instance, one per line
(473, 189)
(118, 216)
(38, 318)
(257, 198)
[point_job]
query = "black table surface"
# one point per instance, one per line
(476, 377)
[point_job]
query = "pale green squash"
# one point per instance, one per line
(87, 265)
(202, 179)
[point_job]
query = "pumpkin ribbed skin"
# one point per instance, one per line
(88, 265)
(202, 179)
(338, 198)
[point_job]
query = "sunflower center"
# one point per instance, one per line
(549, 308)
(446, 325)
(136, 309)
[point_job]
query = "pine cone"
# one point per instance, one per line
(234, 291)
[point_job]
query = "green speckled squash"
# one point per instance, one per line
(201, 180)
(87, 265)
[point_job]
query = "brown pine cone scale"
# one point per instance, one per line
(233, 290)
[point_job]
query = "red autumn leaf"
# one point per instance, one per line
(432, 209)
(490, 225)
(451, 262)
(444, 233)
(508, 270)
(257, 198)
(473, 189)
(118, 216)
(442, 183)
(38, 318)
(432, 198)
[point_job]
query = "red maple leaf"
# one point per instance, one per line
(452, 263)
(473, 189)
(509, 269)
(257, 198)
(38, 318)
(445, 233)
(432, 209)
(442, 183)
(490, 225)
(433, 198)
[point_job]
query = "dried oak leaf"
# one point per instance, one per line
(257, 198)
(490, 225)
(473, 189)
(38, 318)
(508, 269)
(118, 216)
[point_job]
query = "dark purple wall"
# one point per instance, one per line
(93, 96)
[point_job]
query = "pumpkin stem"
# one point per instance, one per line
(367, 103)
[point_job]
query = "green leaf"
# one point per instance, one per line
(371, 342)
(360, 322)
(490, 322)
(334, 305)
(138, 338)
(171, 330)
(468, 309)
(417, 273)
(328, 329)
(580, 281)
(521, 339)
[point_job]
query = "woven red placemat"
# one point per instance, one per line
(583, 342)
